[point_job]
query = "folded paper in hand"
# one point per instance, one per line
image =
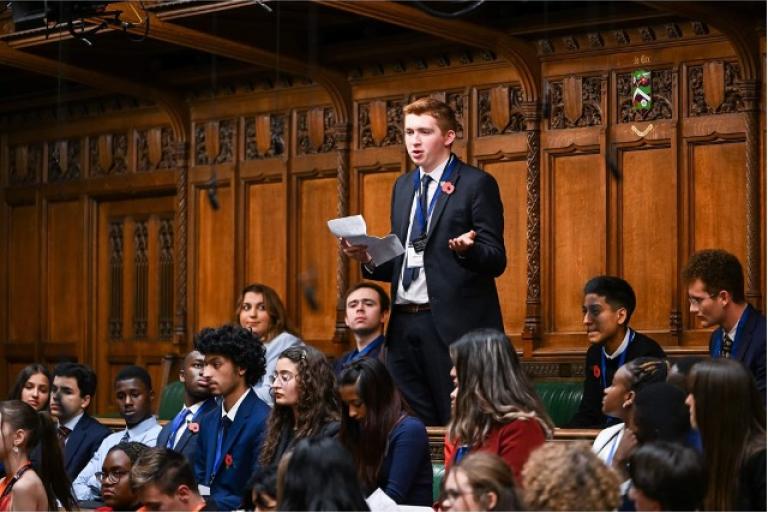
(353, 230)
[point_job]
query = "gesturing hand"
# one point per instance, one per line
(462, 243)
(357, 252)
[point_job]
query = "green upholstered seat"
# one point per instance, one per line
(438, 470)
(171, 401)
(560, 398)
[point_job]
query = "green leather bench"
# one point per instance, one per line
(171, 400)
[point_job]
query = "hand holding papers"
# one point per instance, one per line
(353, 231)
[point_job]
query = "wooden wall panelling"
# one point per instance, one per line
(23, 301)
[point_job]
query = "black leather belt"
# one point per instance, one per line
(412, 308)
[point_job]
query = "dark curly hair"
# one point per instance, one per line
(236, 344)
(718, 270)
(132, 449)
(318, 405)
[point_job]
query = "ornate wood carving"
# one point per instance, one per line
(141, 287)
(595, 40)
(64, 160)
(700, 94)
(572, 95)
(265, 136)
(108, 154)
(303, 143)
(154, 149)
(571, 44)
(622, 38)
(165, 317)
(343, 133)
(394, 124)
(115, 321)
(24, 164)
(647, 34)
(699, 28)
(663, 83)
(503, 102)
(591, 98)
(532, 327)
(181, 152)
(673, 31)
(545, 47)
(226, 141)
(201, 156)
(215, 142)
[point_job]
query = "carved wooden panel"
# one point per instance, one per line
(116, 279)
(141, 273)
(390, 124)
(65, 280)
(64, 160)
(25, 164)
(649, 227)
(108, 154)
(23, 293)
(325, 140)
(498, 110)
(266, 227)
(591, 99)
(154, 149)
(215, 142)
(374, 194)
(166, 254)
(265, 136)
(710, 81)
(663, 85)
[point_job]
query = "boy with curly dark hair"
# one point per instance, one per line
(230, 435)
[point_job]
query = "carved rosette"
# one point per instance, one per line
(499, 111)
(381, 123)
(270, 144)
(713, 89)
(591, 101)
(25, 164)
(315, 131)
(108, 154)
(663, 83)
(64, 160)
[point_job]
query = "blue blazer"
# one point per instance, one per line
(187, 444)
(751, 349)
(242, 443)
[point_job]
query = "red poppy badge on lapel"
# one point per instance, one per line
(228, 460)
(447, 187)
(596, 371)
(194, 427)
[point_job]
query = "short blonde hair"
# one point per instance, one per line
(569, 476)
(445, 116)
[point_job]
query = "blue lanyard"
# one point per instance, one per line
(718, 344)
(421, 216)
(461, 453)
(622, 358)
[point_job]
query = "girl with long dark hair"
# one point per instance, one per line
(495, 407)
(33, 387)
(728, 411)
(390, 448)
(25, 488)
(306, 402)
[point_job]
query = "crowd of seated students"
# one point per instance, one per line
(686, 435)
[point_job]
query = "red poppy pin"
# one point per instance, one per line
(194, 427)
(228, 460)
(596, 371)
(447, 187)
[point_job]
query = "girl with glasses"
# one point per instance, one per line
(115, 476)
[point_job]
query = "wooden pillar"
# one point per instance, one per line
(532, 327)
(182, 166)
(343, 135)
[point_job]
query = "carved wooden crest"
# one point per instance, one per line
(500, 107)
(316, 127)
(714, 83)
(104, 144)
(572, 98)
(212, 140)
(154, 146)
(377, 110)
(263, 134)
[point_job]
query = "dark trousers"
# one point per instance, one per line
(420, 365)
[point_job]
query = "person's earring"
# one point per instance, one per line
(15, 449)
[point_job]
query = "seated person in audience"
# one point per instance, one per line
(679, 370)
(319, 475)
(667, 476)
(261, 311)
(74, 386)
(367, 312)
(33, 387)
(568, 476)
(609, 303)
(306, 402)
(115, 476)
(390, 448)
(660, 414)
(181, 432)
(133, 394)
(23, 487)
(481, 481)
(495, 407)
(619, 400)
(163, 479)
(231, 434)
(716, 293)
(729, 412)
(263, 490)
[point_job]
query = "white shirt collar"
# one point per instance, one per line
(192, 409)
(437, 174)
(622, 347)
(142, 427)
(71, 424)
(231, 413)
(732, 332)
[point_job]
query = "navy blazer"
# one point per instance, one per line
(462, 291)
(187, 444)
(751, 348)
(82, 443)
(242, 444)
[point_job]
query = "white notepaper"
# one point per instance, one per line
(353, 230)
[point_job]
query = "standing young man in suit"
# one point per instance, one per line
(74, 386)
(180, 433)
(449, 217)
(716, 294)
(231, 434)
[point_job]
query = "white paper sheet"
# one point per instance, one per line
(353, 230)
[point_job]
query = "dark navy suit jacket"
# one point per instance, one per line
(751, 348)
(82, 443)
(242, 444)
(462, 291)
(187, 444)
